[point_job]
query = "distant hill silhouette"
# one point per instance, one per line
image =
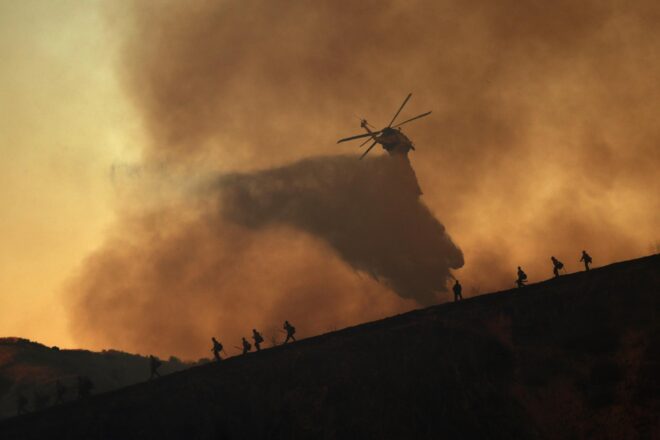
(572, 357)
(32, 368)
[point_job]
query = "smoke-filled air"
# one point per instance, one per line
(368, 212)
(245, 211)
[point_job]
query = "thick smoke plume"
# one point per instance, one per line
(241, 252)
(253, 249)
(367, 211)
(543, 141)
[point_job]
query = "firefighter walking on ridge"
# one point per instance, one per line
(154, 365)
(217, 348)
(586, 259)
(556, 266)
(458, 291)
(258, 339)
(85, 387)
(246, 346)
(522, 278)
(290, 331)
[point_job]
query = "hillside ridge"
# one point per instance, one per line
(575, 356)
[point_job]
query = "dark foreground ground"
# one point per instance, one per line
(31, 369)
(576, 357)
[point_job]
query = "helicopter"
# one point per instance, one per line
(391, 137)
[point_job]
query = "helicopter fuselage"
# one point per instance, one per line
(394, 141)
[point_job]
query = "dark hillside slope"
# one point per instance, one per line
(31, 369)
(575, 357)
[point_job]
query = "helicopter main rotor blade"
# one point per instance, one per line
(358, 136)
(400, 108)
(363, 143)
(368, 150)
(412, 119)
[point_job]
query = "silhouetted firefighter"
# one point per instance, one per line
(556, 266)
(154, 365)
(586, 258)
(217, 348)
(85, 387)
(522, 277)
(458, 291)
(246, 346)
(290, 331)
(21, 403)
(60, 391)
(258, 339)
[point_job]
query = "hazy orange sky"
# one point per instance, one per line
(543, 138)
(64, 122)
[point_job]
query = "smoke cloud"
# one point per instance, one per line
(212, 265)
(542, 141)
(367, 211)
(257, 248)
